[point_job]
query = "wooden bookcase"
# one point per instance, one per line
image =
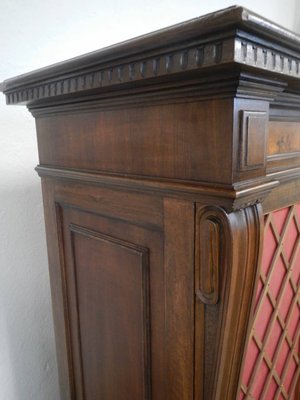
(170, 169)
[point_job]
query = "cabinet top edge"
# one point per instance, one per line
(210, 26)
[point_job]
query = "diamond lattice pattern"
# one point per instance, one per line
(272, 365)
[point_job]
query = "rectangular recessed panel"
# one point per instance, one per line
(284, 137)
(283, 145)
(111, 291)
(272, 359)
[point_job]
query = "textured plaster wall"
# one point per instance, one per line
(33, 34)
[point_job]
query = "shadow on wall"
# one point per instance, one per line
(27, 362)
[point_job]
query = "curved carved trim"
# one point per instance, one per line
(221, 336)
(208, 256)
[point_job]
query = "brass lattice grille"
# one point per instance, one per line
(272, 360)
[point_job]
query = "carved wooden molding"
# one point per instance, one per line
(202, 87)
(162, 64)
(267, 58)
(171, 62)
(230, 197)
(224, 309)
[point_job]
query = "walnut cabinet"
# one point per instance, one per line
(170, 169)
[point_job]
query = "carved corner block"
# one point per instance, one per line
(253, 140)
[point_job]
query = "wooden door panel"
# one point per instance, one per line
(124, 286)
(107, 284)
(112, 308)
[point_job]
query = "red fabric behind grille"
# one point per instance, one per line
(272, 365)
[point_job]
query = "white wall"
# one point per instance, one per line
(297, 16)
(33, 34)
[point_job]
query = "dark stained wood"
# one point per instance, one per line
(179, 299)
(221, 328)
(250, 136)
(286, 193)
(108, 297)
(156, 54)
(253, 130)
(284, 138)
(297, 392)
(231, 197)
(93, 247)
(136, 208)
(169, 141)
(283, 145)
(57, 282)
(159, 157)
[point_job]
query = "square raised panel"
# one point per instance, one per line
(253, 140)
